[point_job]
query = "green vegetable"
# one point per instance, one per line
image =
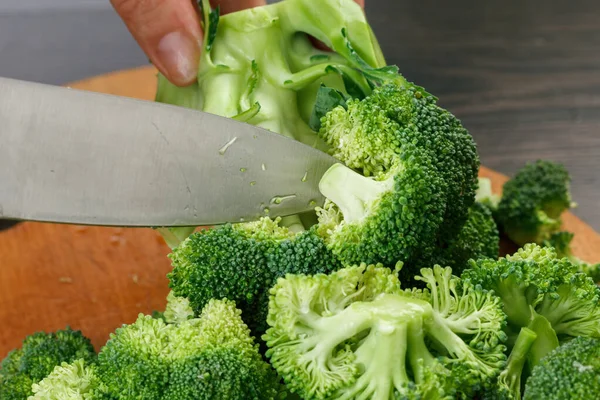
(37, 357)
(533, 201)
(241, 262)
(561, 242)
(415, 179)
(478, 238)
(541, 292)
(571, 371)
(209, 357)
(485, 196)
(416, 166)
(354, 334)
(77, 380)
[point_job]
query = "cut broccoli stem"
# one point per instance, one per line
(293, 223)
(351, 192)
(511, 375)
(546, 340)
(174, 236)
(383, 354)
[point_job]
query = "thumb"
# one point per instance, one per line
(168, 31)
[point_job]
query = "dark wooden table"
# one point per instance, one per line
(523, 75)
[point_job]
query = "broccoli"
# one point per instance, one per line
(532, 202)
(572, 371)
(355, 334)
(412, 165)
(478, 238)
(415, 179)
(259, 66)
(241, 262)
(212, 356)
(508, 386)
(541, 292)
(561, 242)
(485, 196)
(37, 357)
(75, 380)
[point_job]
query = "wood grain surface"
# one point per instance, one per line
(97, 278)
(522, 75)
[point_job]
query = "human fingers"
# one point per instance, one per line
(168, 31)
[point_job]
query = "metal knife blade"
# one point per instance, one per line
(72, 156)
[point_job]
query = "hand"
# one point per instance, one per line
(169, 32)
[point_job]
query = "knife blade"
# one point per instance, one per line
(78, 157)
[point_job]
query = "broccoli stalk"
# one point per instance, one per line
(509, 381)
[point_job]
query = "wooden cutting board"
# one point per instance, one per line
(95, 278)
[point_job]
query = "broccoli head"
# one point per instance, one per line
(532, 202)
(37, 357)
(415, 179)
(571, 371)
(543, 293)
(209, 357)
(355, 334)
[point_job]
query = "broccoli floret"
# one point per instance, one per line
(209, 357)
(416, 174)
(478, 238)
(380, 219)
(355, 334)
(561, 242)
(77, 380)
(534, 279)
(543, 293)
(572, 371)
(178, 309)
(241, 262)
(532, 202)
(37, 357)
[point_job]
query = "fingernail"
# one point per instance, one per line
(178, 54)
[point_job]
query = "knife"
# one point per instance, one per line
(78, 157)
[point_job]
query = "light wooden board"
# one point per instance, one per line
(95, 278)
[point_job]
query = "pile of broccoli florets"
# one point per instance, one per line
(393, 288)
